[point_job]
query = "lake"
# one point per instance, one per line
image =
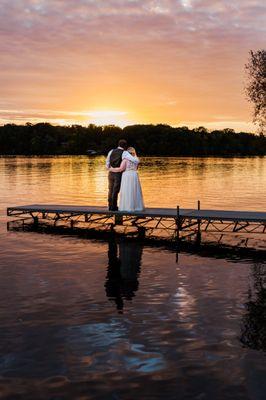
(117, 319)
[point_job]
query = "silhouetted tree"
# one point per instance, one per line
(256, 86)
(253, 333)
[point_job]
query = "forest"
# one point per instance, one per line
(149, 140)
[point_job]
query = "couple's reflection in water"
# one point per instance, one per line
(122, 283)
(124, 263)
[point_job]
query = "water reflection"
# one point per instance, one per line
(71, 330)
(218, 182)
(123, 271)
(254, 321)
(102, 319)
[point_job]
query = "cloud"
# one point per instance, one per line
(109, 117)
(52, 24)
(238, 126)
(53, 51)
(98, 117)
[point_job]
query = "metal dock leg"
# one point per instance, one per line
(177, 232)
(141, 232)
(198, 236)
(118, 219)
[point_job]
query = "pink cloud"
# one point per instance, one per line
(200, 44)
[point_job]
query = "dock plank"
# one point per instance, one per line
(225, 215)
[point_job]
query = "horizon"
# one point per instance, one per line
(247, 128)
(209, 130)
(174, 62)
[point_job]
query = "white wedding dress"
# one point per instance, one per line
(131, 198)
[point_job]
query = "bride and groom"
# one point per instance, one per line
(122, 164)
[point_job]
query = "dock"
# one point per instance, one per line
(174, 223)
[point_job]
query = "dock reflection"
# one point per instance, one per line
(124, 263)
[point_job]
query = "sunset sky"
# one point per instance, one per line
(179, 62)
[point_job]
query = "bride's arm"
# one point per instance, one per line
(126, 155)
(122, 167)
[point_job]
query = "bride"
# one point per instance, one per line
(131, 198)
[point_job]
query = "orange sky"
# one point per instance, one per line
(179, 62)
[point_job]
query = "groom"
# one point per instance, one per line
(114, 159)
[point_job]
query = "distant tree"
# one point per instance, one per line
(150, 140)
(256, 86)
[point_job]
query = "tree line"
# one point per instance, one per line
(150, 140)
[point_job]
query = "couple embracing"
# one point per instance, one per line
(122, 164)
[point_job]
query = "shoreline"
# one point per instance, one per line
(140, 155)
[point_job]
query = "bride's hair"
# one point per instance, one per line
(132, 151)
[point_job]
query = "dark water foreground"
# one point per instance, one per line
(114, 319)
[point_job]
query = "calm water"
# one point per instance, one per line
(104, 319)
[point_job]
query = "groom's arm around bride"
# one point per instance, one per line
(125, 155)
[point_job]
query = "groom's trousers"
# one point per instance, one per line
(114, 180)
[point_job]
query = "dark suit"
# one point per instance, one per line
(114, 178)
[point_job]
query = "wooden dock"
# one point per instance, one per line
(172, 222)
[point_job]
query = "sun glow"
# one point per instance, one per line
(60, 117)
(108, 117)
